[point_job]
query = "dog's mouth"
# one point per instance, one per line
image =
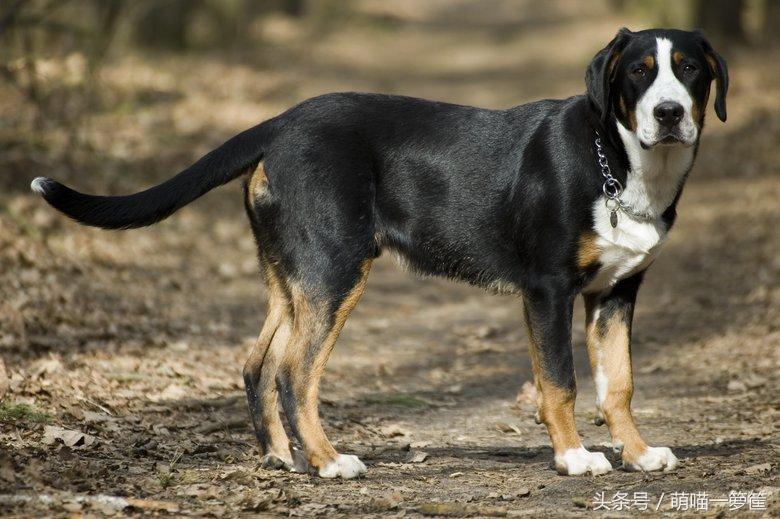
(668, 139)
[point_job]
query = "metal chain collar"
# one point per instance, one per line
(612, 189)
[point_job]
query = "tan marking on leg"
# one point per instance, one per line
(609, 351)
(649, 61)
(258, 184)
(557, 413)
(311, 323)
(263, 362)
(588, 252)
(555, 405)
(279, 441)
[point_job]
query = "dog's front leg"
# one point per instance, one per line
(548, 314)
(608, 325)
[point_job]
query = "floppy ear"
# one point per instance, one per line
(719, 72)
(600, 73)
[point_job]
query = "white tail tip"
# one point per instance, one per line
(39, 185)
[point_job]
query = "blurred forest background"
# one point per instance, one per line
(121, 353)
(62, 61)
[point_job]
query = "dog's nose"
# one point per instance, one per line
(668, 113)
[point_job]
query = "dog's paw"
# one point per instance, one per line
(654, 458)
(276, 462)
(575, 462)
(345, 466)
(299, 464)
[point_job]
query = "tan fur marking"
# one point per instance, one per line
(258, 184)
(588, 252)
(677, 57)
(630, 114)
(557, 413)
(611, 65)
(264, 359)
(555, 404)
(714, 71)
(711, 62)
(610, 351)
(649, 61)
(308, 325)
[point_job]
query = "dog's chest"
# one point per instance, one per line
(623, 250)
(653, 183)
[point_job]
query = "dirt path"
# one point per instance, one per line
(137, 339)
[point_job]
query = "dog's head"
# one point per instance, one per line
(656, 84)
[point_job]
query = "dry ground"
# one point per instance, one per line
(137, 339)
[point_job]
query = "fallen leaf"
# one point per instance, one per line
(580, 502)
(46, 367)
(758, 469)
(527, 394)
(5, 380)
(91, 417)
(508, 428)
(752, 382)
(736, 386)
(171, 392)
(394, 430)
(416, 457)
(461, 510)
(69, 437)
(387, 501)
(152, 504)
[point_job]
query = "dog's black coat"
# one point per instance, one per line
(496, 198)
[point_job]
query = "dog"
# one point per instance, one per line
(546, 200)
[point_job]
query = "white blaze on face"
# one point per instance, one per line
(665, 87)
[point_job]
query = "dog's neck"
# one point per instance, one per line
(655, 176)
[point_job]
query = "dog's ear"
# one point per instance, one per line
(601, 70)
(719, 72)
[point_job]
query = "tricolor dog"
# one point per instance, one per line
(545, 200)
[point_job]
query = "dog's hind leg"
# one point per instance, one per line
(261, 366)
(260, 377)
(319, 315)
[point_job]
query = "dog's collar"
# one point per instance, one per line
(612, 189)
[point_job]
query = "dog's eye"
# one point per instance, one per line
(689, 69)
(638, 72)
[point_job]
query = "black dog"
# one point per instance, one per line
(545, 200)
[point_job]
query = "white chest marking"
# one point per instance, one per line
(654, 180)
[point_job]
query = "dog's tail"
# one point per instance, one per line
(237, 156)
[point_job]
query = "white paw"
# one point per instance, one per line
(654, 458)
(344, 466)
(575, 462)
